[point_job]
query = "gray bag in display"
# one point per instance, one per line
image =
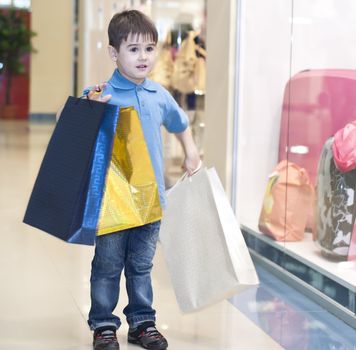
(336, 206)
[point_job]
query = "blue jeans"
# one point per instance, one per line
(133, 251)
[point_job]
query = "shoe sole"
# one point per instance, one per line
(132, 341)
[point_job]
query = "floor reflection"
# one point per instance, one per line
(294, 321)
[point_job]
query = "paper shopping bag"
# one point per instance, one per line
(59, 203)
(95, 178)
(202, 243)
(131, 195)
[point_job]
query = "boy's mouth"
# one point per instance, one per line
(142, 66)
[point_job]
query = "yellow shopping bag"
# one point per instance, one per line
(131, 195)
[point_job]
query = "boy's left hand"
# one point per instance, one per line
(192, 163)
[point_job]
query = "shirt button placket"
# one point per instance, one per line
(140, 99)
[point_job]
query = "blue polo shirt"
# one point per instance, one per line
(155, 107)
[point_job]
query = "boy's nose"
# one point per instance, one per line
(143, 55)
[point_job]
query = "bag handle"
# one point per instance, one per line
(85, 98)
(185, 175)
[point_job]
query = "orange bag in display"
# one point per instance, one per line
(344, 148)
(286, 203)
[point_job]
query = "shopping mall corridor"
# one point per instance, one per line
(44, 294)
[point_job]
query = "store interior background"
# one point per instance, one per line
(254, 47)
(86, 57)
(71, 54)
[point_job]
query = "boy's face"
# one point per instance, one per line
(136, 57)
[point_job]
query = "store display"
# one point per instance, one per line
(181, 68)
(286, 203)
(162, 72)
(202, 243)
(336, 207)
(352, 249)
(316, 104)
(189, 67)
(344, 148)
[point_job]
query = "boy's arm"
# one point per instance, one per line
(176, 120)
(192, 159)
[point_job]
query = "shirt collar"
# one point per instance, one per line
(118, 81)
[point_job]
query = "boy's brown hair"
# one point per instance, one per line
(130, 22)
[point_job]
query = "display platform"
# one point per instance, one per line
(332, 282)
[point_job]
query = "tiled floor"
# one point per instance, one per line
(44, 291)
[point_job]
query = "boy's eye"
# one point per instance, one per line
(150, 48)
(133, 49)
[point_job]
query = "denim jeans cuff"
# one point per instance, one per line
(137, 320)
(94, 326)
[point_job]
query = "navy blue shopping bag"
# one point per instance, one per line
(66, 197)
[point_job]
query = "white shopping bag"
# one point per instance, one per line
(202, 243)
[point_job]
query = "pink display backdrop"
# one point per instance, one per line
(316, 104)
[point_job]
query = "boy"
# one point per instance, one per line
(132, 46)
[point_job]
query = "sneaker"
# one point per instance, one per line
(147, 335)
(105, 339)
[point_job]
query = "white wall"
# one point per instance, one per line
(323, 37)
(219, 99)
(52, 65)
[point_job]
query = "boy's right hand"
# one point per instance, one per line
(96, 93)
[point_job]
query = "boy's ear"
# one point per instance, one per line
(112, 53)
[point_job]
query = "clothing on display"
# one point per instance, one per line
(184, 69)
(189, 67)
(181, 69)
(163, 70)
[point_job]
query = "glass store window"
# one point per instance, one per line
(295, 194)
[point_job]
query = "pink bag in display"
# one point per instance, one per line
(344, 148)
(286, 204)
